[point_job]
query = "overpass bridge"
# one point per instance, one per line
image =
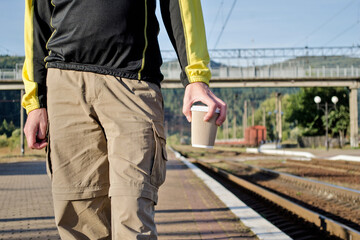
(282, 67)
(267, 67)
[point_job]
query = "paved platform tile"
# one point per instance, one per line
(26, 210)
(187, 209)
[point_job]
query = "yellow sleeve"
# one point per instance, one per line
(37, 30)
(184, 22)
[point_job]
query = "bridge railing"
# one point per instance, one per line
(257, 62)
(10, 74)
(272, 72)
(173, 72)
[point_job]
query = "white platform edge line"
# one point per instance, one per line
(346, 158)
(302, 154)
(280, 152)
(257, 224)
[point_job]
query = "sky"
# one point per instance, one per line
(239, 24)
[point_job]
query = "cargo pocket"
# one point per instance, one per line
(158, 170)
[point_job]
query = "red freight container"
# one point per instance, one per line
(255, 135)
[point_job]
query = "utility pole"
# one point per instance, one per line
(22, 145)
(227, 129)
(327, 126)
(264, 118)
(252, 115)
(245, 118)
(277, 118)
(280, 117)
(353, 104)
(234, 126)
(234, 117)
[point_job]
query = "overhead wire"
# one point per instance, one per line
(5, 50)
(347, 29)
(341, 33)
(358, 19)
(215, 19)
(358, 14)
(325, 23)
(224, 25)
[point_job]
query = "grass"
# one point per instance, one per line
(8, 154)
(217, 152)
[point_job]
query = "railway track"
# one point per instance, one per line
(341, 166)
(343, 194)
(269, 193)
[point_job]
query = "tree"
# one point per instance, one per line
(10, 106)
(9, 62)
(303, 110)
(339, 122)
(269, 107)
(7, 128)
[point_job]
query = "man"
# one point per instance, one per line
(92, 70)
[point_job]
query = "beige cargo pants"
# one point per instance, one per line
(107, 155)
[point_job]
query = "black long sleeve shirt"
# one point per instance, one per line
(114, 37)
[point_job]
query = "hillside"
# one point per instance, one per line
(328, 61)
(9, 62)
(235, 97)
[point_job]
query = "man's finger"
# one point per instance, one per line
(212, 108)
(41, 134)
(199, 92)
(30, 136)
(187, 110)
(222, 116)
(40, 144)
(35, 128)
(222, 107)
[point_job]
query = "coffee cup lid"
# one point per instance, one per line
(203, 109)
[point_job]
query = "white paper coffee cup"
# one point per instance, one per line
(203, 133)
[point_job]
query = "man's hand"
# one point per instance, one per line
(35, 128)
(200, 92)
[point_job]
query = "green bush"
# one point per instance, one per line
(3, 141)
(14, 140)
(7, 128)
(173, 139)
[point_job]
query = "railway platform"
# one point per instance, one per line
(308, 153)
(187, 208)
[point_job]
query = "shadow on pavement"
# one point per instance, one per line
(12, 231)
(23, 168)
(192, 210)
(25, 219)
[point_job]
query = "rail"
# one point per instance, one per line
(349, 193)
(321, 221)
